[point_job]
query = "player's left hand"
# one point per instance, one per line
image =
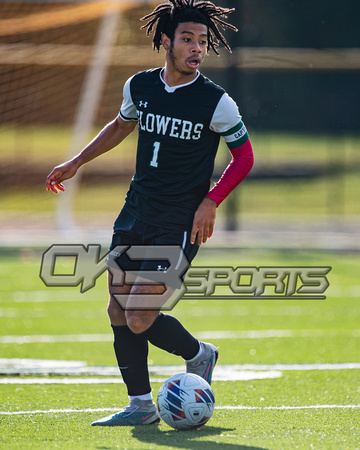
(55, 187)
(204, 221)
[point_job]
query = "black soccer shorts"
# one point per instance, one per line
(145, 247)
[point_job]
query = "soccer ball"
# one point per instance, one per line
(185, 401)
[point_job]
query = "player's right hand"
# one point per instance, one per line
(59, 174)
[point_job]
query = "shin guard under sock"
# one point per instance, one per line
(168, 334)
(131, 353)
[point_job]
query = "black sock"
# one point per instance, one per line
(168, 334)
(131, 353)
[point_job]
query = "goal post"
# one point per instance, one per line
(41, 42)
(89, 99)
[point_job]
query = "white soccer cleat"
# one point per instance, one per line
(137, 412)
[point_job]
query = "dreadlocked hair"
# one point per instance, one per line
(166, 17)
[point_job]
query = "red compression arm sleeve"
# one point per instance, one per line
(240, 165)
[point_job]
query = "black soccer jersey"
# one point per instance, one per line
(179, 132)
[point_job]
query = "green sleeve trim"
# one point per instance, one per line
(238, 143)
(234, 129)
(236, 136)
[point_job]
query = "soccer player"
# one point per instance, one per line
(181, 116)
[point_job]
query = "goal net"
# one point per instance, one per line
(63, 65)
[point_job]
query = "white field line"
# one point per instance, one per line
(38, 371)
(48, 338)
(203, 335)
(232, 408)
(76, 371)
(11, 366)
(221, 375)
(45, 374)
(40, 364)
(316, 366)
(43, 380)
(289, 407)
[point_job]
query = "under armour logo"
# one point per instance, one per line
(144, 104)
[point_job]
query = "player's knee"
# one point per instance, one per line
(135, 322)
(138, 322)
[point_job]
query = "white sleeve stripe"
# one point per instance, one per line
(128, 110)
(226, 115)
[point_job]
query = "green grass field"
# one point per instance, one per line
(293, 386)
(293, 364)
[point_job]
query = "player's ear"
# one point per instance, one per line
(165, 41)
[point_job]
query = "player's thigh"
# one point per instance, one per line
(136, 306)
(146, 295)
(115, 311)
(126, 233)
(144, 304)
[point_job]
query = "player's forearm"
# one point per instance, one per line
(108, 138)
(236, 171)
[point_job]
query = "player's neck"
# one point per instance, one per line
(176, 78)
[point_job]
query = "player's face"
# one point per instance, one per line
(188, 48)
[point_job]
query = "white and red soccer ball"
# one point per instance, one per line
(185, 401)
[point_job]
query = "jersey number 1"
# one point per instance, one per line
(154, 161)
